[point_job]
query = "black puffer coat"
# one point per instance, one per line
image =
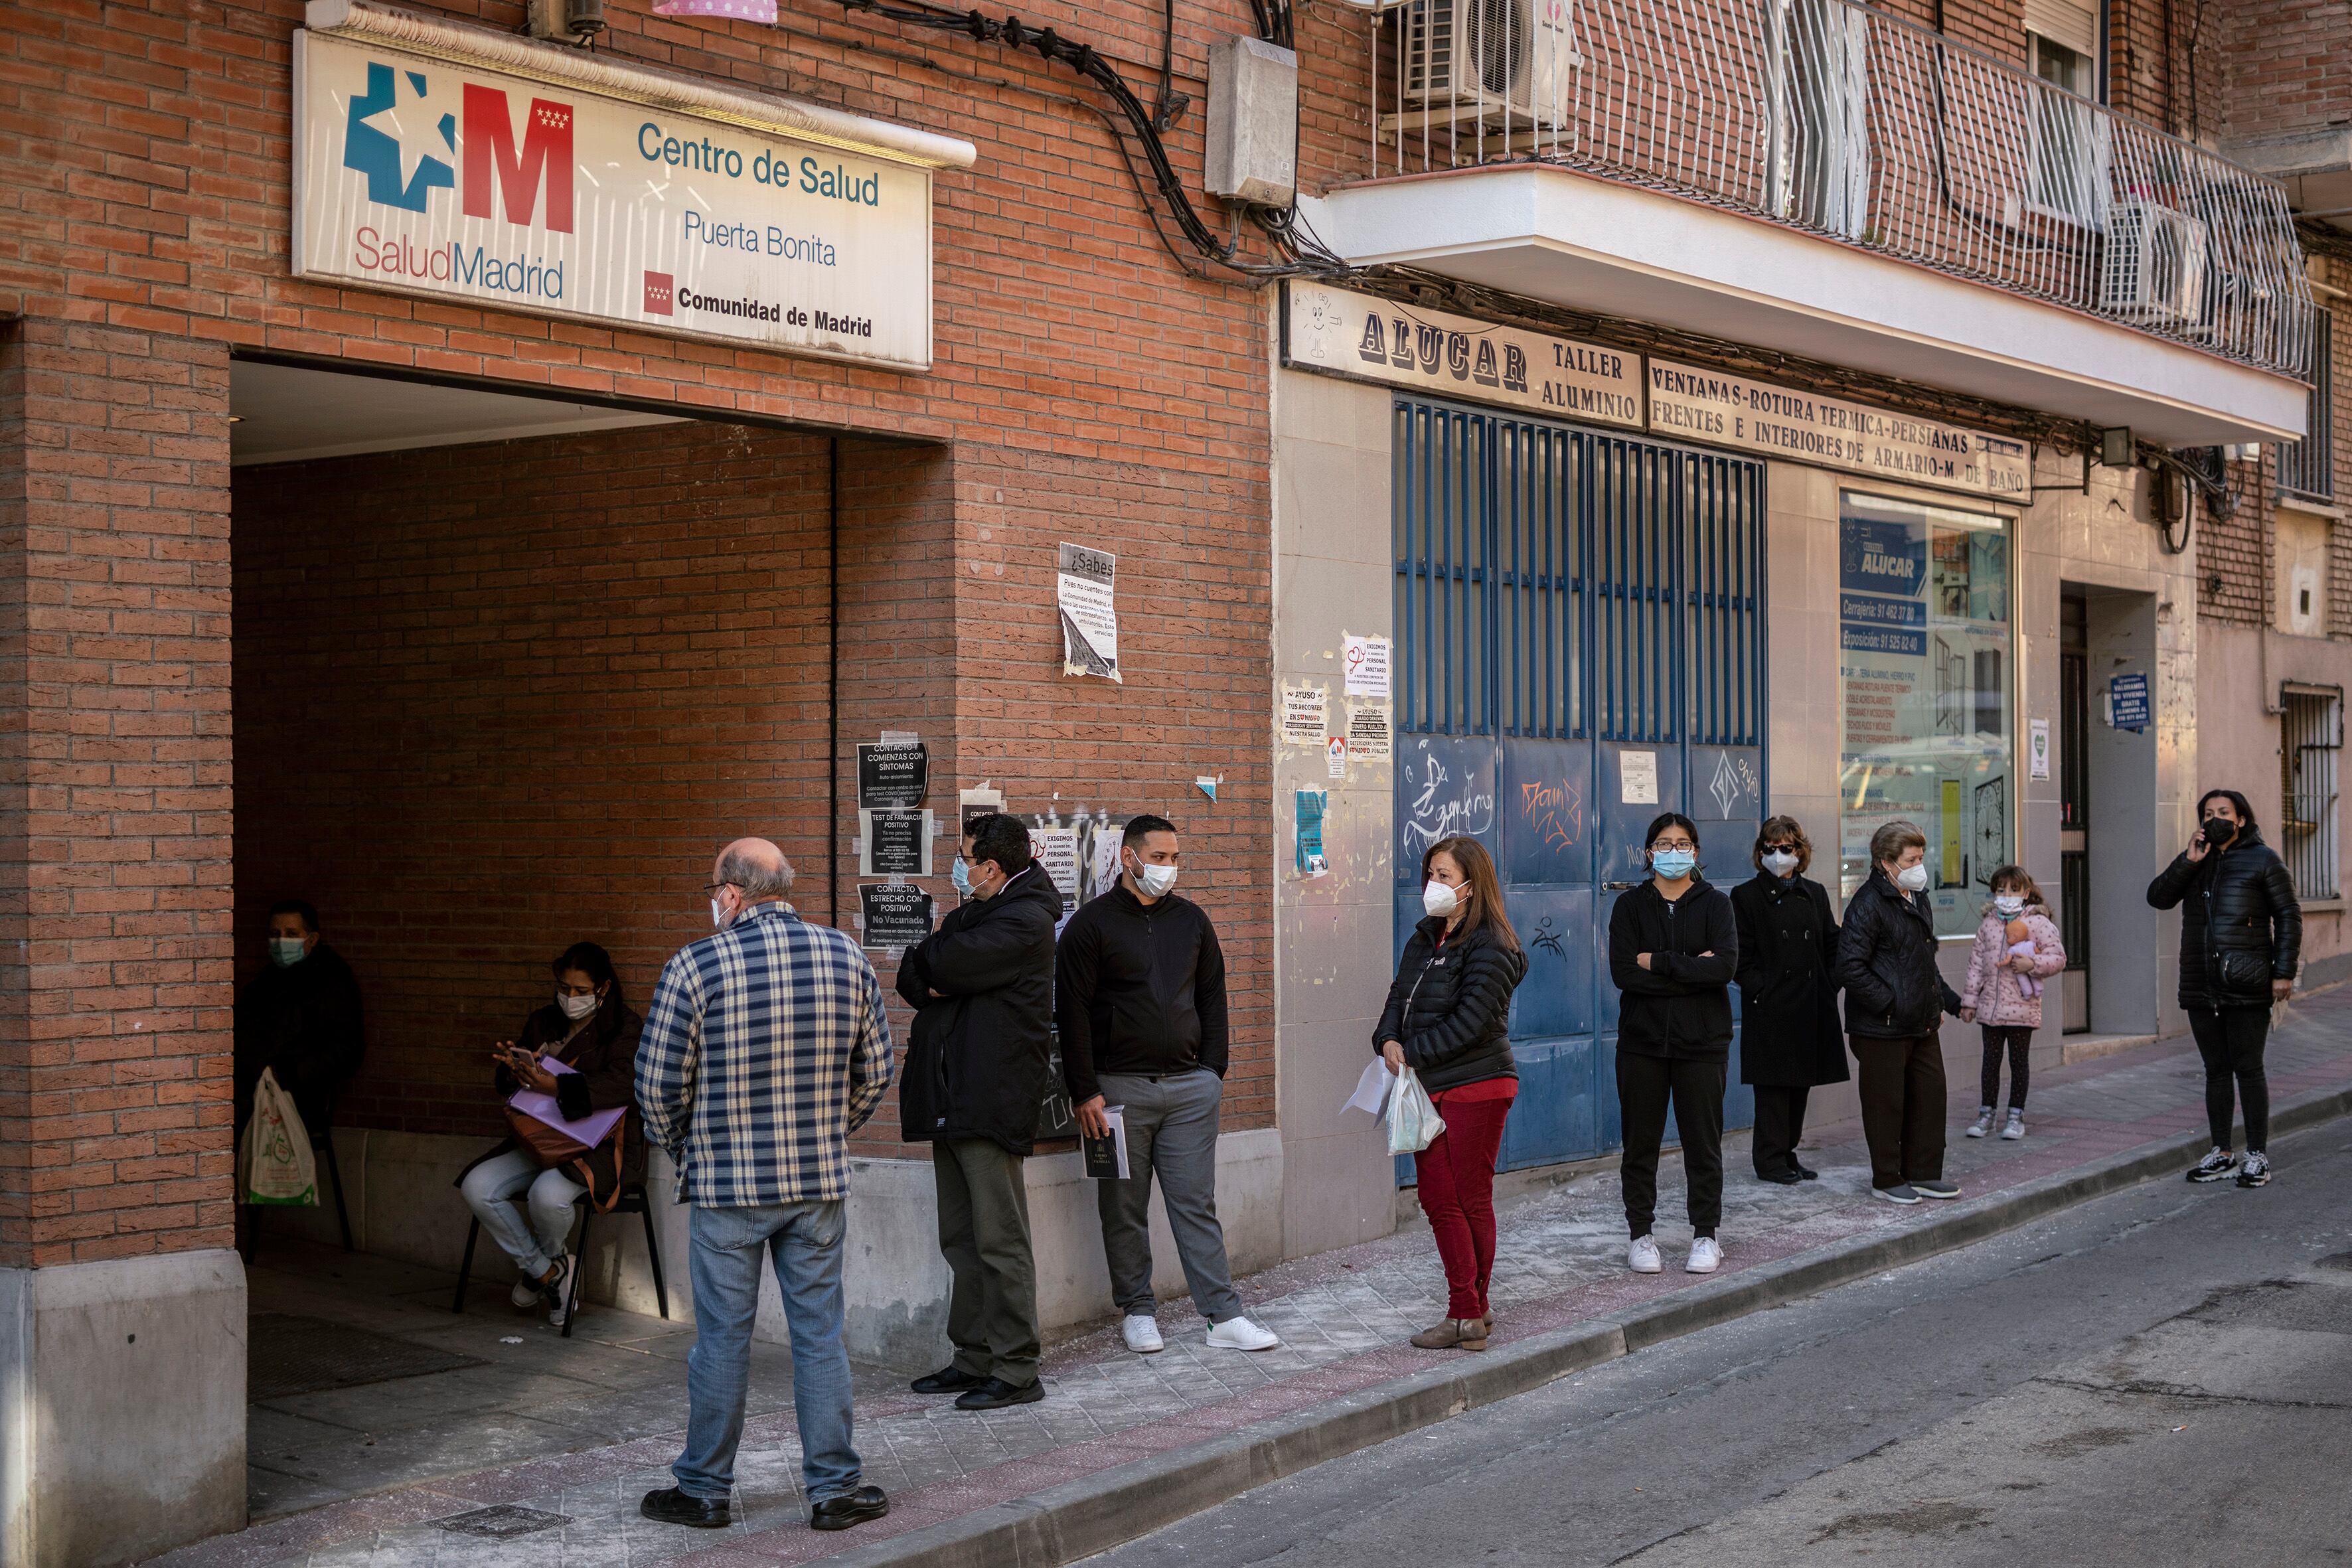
(1886, 964)
(1450, 1006)
(1679, 1007)
(1788, 1035)
(2241, 927)
(983, 989)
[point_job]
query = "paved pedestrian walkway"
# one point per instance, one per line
(1344, 1318)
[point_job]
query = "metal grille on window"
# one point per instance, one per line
(2311, 733)
(2308, 466)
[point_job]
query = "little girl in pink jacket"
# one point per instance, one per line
(2003, 993)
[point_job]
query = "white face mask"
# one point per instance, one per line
(1779, 862)
(575, 1008)
(1912, 878)
(1437, 899)
(1155, 880)
(2009, 905)
(717, 915)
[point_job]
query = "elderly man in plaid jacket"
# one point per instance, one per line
(766, 1048)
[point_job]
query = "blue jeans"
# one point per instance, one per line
(804, 1239)
(491, 1189)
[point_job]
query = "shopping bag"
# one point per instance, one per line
(274, 1163)
(1414, 1122)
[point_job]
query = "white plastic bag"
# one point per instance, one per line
(1414, 1122)
(273, 1162)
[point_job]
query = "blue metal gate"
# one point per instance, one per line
(1579, 620)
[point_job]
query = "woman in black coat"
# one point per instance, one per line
(1674, 947)
(1895, 1002)
(1789, 1040)
(2240, 938)
(1449, 1019)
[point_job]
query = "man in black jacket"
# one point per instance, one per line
(1894, 1001)
(300, 1018)
(1140, 993)
(982, 986)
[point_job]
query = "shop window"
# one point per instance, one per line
(2311, 733)
(1927, 713)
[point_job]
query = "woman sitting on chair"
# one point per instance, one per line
(588, 1028)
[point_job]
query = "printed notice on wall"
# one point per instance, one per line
(1089, 620)
(2128, 702)
(897, 914)
(1334, 757)
(1366, 659)
(1637, 778)
(894, 843)
(1369, 734)
(1310, 859)
(1057, 850)
(893, 776)
(1305, 714)
(2038, 750)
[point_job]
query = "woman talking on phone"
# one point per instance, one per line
(2241, 935)
(587, 1027)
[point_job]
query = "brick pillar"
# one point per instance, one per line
(121, 1302)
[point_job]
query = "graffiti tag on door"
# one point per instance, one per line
(1439, 805)
(1554, 811)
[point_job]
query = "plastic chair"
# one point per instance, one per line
(631, 1200)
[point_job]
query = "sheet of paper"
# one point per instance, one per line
(1371, 1090)
(1370, 735)
(1311, 862)
(1089, 612)
(590, 1130)
(1057, 850)
(1305, 714)
(2038, 750)
(1334, 757)
(1637, 778)
(1367, 662)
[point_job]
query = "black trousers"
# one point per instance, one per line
(2016, 1043)
(1779, 1123)
(2232, 1042)
(1902, 1085)
(1646, 1087)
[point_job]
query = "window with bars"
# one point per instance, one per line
(2311, 733)
(2307, 466)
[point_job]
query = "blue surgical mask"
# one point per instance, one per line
(961, 875)
(1671, 864)
(286, 951)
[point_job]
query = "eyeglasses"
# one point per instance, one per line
(1666, 844)
(710, 889)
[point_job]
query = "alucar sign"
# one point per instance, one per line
(422, 176)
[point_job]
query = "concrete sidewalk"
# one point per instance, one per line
(1123, 1443)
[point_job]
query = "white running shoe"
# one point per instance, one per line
(1141, 1333)
(1240, 1334)
(525, 1294)
(558, 1291)
(2214, 1166)
(2016, 1128)
(1983, 1123)
(1642, 1257)
(1705, 1256)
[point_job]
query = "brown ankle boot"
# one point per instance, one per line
(1453, 1333)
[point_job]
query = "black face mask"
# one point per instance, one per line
(2220, 830)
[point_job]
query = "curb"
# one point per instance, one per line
(1093, 1513)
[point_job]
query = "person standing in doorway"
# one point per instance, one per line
(1448, 1018)
(1789, 1042)
(766, 1048)
(2017, 948)
(983, 989)
(299, 1019)
(1139, 997)
(1895, 1002)
(1674, 947)
(2240, 940)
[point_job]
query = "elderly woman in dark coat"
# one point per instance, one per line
(1789, 1039)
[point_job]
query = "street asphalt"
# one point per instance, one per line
(2159, 1377)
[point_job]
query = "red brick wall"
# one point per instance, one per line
(2289, 64)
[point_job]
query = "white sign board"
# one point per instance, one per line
(418, 175)
(2038, 750)
(1305, 714)
(1367, 658)
(1362, 335)
(1726, 410)
(1637, 778)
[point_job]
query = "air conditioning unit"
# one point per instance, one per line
(2156, 270)
(1489, 59)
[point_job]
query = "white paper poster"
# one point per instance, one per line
(1057, 850)
(1305, 714)
(1366, 659)
(1369, 736)
(1637, 778)
(1334, 757)
(2038, 749)
(1089, 619)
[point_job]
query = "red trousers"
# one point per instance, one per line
(1457, 1190)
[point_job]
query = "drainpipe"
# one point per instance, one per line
(832, 682)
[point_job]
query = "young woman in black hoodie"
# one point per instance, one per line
(1673, 949)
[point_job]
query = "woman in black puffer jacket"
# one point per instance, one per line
(1896, 1000)
(1448, 1018)
(2240, 937)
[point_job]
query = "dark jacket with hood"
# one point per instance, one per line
(1789, 1034)
(1886, 964)
(2241, 927)
(983, 989)
(1139, 988)
(1450, 1006)
(1679, 1007)
(303, 1021)
(601, 1052)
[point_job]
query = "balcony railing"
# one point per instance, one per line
(1837, 119)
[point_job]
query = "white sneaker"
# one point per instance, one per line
(1983, 1123)
(1141, 1334)
(559, 1293)
(1239, 1334)
(525, 1294)
(1642, 1257)
(1705, 1256)
(2016, 1128)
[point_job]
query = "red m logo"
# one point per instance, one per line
(545, 159)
